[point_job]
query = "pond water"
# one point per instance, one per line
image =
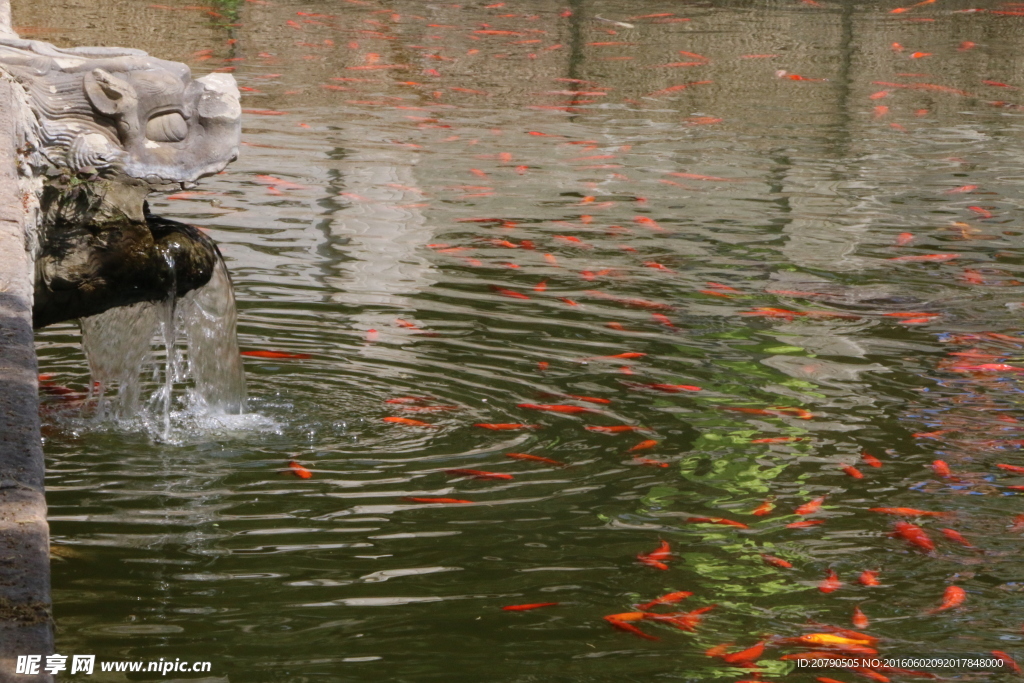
(807, 210)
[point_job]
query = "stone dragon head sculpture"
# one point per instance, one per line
(120, 111)
(99, 129)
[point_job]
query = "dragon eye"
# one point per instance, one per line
(168, 127)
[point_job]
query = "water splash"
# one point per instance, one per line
(169, 366)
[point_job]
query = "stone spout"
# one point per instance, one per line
(102, 248)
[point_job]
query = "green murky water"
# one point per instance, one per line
(478, 205)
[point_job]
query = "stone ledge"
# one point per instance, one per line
(25, 622)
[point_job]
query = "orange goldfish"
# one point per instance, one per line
(407, 421)
(909, 512)
(860, 620)
(954, 596)
(668, 599)
(810, 507)
(776, 561)
(868, 577)
(643, 445)
(299, 471)
(804, 523)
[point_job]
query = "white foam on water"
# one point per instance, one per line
(171, 369)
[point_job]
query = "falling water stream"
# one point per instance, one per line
(161, 367)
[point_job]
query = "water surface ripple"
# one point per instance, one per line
(809, 211)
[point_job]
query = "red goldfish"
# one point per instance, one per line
(478, 474)
(684, 621)
(860, 620)
(1007, 660)
(956, 537)
(656, 558)
(590, 399)
(830, 583)
(941, 468)
(664, 320)
(533, 605)
(622, 622)
(504, 427)
(870, 460)
(777, 412)
(853, 472)
(643, 445)
(804, 523)
(275, 354)
(716, 520)
(509, 292)
(925, 257)
(535, 458)
(439, 501)
(571, 410)
(1011, 468)
(763, 509)
(649, 223)
(954, 596)
(745, 656)
(666, 388)
(913, 535)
